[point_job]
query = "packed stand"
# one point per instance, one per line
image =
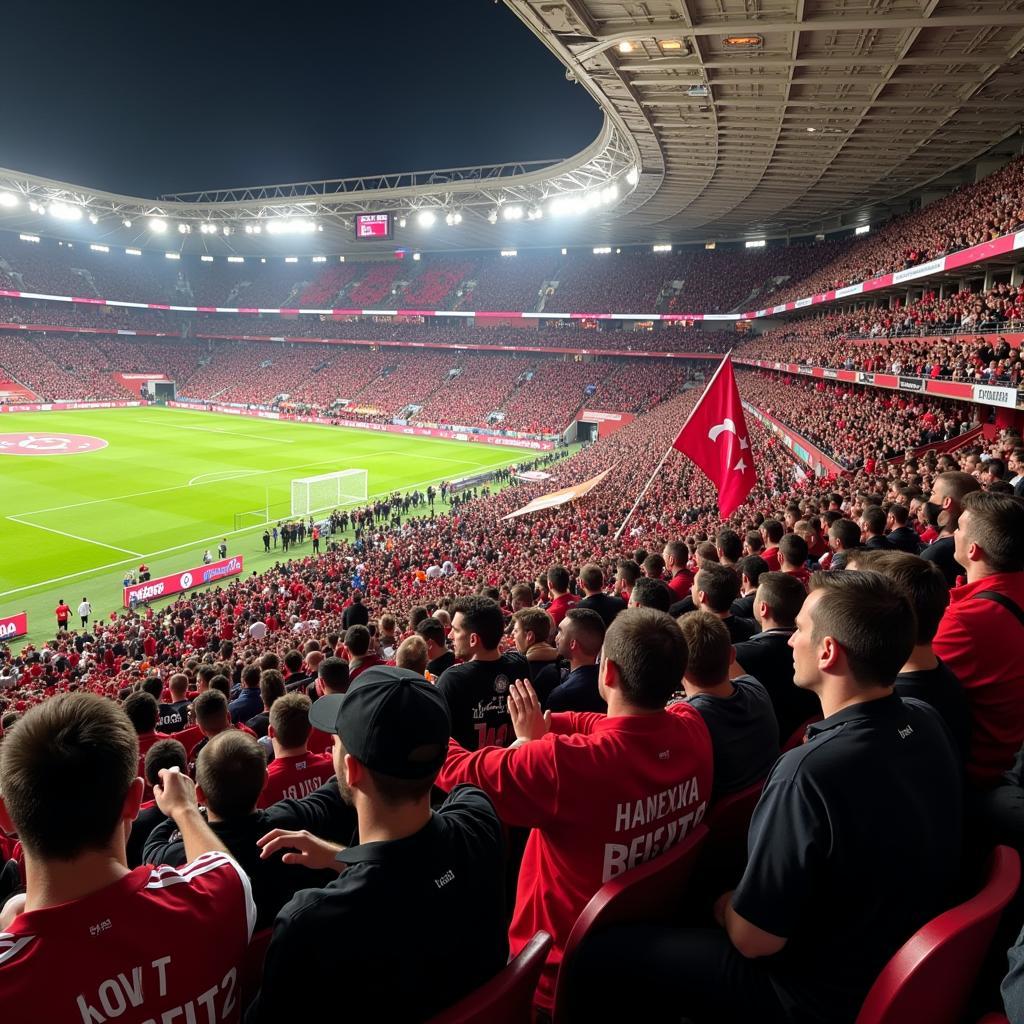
(968, 216)
(652, 722)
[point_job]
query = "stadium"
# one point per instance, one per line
(589, 588)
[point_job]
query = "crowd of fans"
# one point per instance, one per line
(216, 683)
(967, 216)
(857, 425)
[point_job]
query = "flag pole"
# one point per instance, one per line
(657, 469)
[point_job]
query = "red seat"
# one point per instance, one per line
(730, 816)
(252, 966)
(931, 976)
(651, 892)
(797, 738)
(508, 997)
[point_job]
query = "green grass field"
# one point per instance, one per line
(168, 485)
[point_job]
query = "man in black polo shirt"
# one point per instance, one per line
(438, 655)
(946, 502)
(477, 690)
(768, 657)
(835, 880)
(714, 589)
(592, 584)
(415, 920)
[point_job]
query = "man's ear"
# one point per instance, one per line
(270, 731)
(133, 800)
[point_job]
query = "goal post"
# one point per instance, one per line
(328, 491)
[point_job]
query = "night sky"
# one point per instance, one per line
(151, 98)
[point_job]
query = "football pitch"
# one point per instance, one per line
(162, 485)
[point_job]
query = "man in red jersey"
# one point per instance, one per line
(92, 940)
(982, 632)
(561, 599)
(294, 772)
(680, 581)
(602, 793)
(63, 613)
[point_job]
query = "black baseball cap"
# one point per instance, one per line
(391, 719)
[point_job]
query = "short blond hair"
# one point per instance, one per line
(412, 654)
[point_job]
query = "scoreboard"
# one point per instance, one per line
(379, 226)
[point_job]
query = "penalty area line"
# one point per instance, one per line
(75, 536)
(202, 540)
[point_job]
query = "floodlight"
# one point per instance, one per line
(534, 213)
(602, 250)
(173, 255)
(492, 216)
(756, 243)
(133, 252)
(238, 259)
(8, 200)
(184, 229)
(64, 211)
(291, 259)
(512, 212)
(158, 225)
(425, 219)
(453, 218)
(126, 222)
(863, 229)
(661, 248)
(99, 248)
(319, 259)
(290, 226)
(29, 238)
(416, 256)
(625, 46)
(509, 252)
(632, 176)
(401, 222)
(93, 219)
(206, 259)
(226, 230)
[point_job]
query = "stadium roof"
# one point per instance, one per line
(724, 119)
(766, 116)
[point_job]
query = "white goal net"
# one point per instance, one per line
(328, 491)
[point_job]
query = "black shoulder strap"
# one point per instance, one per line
(1008, 603)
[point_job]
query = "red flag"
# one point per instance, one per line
(715, 437)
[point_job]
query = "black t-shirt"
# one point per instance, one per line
(477, 695)
(439, 664)
(429, 907)
(173, 717)
(853, 846)
(355, 615)
(606, 605)
(323, 813)
(942, 690)
(768, 658)
(740, 629)
(744, 734)
(941, 553)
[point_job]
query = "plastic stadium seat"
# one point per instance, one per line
(931, 976)
(508, 997)
(725, 853)
(797, 738)
(730, 816)
(651, 892)
(252, 966)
